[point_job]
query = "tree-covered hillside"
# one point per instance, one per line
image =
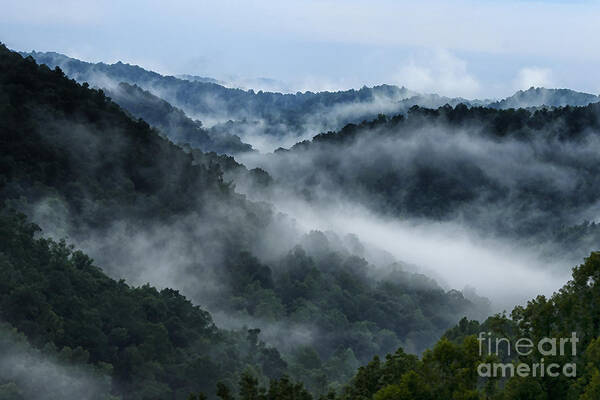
(461, 367)
(172, 121)
(152, 344)
(529, 175)
(450, 369)
(149, 211)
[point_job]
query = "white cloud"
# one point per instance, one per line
(534, 76)
(441, 72)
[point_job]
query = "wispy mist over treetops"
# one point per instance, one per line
(300, 200)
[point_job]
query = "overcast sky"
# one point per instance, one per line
(483, 48)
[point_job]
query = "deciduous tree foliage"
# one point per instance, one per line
(155, 343)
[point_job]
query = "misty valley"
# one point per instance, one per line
(177, 237)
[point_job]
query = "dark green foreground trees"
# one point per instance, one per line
(154, 344)
(449, 371)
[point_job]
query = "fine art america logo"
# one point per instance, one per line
(546, 347)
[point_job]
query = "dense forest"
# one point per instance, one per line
(140, 262)
(299, 200)
(172, 121)
(153, 344)
(149, 211)
(536, 169)
(150, 343)
(449, 369)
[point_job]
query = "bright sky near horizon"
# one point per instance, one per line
(486, 48)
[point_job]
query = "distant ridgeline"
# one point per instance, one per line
(178, 127)
(537, 97)
(234, 112)
(80, 166)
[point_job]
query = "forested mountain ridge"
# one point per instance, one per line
(537, 97)
(151, 343)
(148, 211)
(172, 121)
(236, 111)
(68, 146)
(45, 113)
(536, 169)
(255, 104)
